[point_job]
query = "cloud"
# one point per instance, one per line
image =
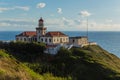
(108, 20)
(77, 21)
(25, 8)
(41, 5)
(59, 10)
(53, 22)
(17, 23)
(5, 9)
(92, 24)
(3, 24)
(68, 21)
(84, 13)
(57, 24)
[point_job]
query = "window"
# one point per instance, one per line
(66, 39)
(57, 39)
(32, 39)
(35, 39)
(54, 40)
(42, 40)
(73, 40)
(24, 39)
(49, 40)
(29, 39)
(61, 40)
(46, 40)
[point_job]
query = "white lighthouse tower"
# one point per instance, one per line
(40, 30)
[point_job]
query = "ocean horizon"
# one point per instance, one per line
(109, 40)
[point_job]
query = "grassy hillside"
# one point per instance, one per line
(87, 63)
(96, 64)
(11, 69)
(106, 59)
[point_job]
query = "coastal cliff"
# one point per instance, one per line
(87, 63)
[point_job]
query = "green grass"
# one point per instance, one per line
(11, 69)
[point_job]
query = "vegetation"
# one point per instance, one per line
(87, 63)
(11, 69)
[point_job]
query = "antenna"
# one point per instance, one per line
(87, 30)
(87, 26)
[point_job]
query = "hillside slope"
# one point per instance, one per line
(101, 56)
(87, 63)
(104, 64)
(11, 69)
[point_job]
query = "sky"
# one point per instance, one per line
(60, 15)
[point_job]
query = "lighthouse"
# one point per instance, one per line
(40, 30)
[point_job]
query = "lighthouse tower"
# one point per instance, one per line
(40, 30)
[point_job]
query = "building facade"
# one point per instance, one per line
(40, 35)
(53, 40)
(55, 37)
(27, 36)
(78, 41)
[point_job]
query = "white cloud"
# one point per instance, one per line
(53, 22)
(95, 26)
(57, 24)
(5, 9)
(25, 8)
(16, 24)
(108, 20)
(20, 23)
(52, 15)
(41, 5)
(3, 24)
(77, 21)
(16, 20)
(68, 21)
(84, 13)
(59, 10)
(92, 24)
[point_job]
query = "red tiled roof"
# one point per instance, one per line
(49, 34)
(28, 33)
(56, 33)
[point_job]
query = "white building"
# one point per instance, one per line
(27, 36)
(78, 41)
(53, 40)
(49, 38)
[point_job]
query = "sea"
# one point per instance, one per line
(109, 40)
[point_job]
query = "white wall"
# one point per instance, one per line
(78, 41)
(24, 39)
(54, 40)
